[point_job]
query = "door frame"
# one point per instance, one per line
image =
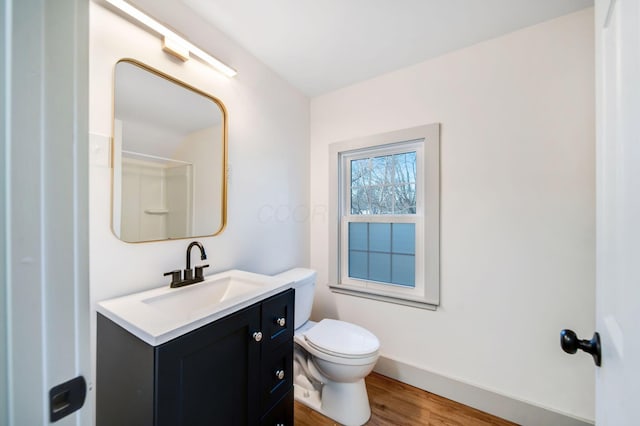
(4, 384)
(45, 205)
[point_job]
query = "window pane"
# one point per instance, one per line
(381, 200)
(358, 264)
(404, 270)
(380, 267)
(380, 237)
(405, 167)
(381, 170)
(384, 184)
(382, 252)
(360, 172)
(404, 238)
(405, 199)
(360, 200)
(358, 236)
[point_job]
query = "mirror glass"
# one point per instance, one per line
(169, 157)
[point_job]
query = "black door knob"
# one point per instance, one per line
(570, 344)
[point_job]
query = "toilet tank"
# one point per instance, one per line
(304, 283)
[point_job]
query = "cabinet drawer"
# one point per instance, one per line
(277, 319)
(281, 414)
(277, 375)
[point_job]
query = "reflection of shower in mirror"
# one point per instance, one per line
(159, 198)
(169, 158)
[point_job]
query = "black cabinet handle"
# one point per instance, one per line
(570, 344)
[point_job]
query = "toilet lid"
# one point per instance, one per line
(342, 338)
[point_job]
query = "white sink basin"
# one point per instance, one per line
(201, 296)
(159, 315)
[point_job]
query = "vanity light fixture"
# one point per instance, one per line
(171, 42)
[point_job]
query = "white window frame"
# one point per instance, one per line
(425, 141)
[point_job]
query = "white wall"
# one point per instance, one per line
(517, 241)
(268, 153)
(194, 148)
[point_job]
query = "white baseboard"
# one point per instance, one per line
(490, 402)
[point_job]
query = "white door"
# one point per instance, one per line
(45, 205)
(618, 211)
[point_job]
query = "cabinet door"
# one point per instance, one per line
(211, 375)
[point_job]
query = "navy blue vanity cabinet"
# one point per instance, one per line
(220, 374)
(210, 376)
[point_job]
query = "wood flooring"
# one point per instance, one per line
(397, 404)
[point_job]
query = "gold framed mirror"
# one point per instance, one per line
(169, 157)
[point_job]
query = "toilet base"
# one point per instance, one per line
(346, 403)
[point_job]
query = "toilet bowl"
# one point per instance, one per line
(331, 358)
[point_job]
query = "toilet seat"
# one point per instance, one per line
(341, 339)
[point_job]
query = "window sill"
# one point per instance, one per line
(341, 289)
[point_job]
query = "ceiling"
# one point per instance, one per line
(322, 45)
(154, 127)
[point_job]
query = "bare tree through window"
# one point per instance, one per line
(384, 184)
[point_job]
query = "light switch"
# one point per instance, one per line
(99, 150)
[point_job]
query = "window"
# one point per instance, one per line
(385, 198)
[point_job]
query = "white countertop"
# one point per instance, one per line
(162, 314)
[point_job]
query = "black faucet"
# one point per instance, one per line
(188, 277)
(188, 273)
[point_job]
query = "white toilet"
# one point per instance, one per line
(331, 358)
